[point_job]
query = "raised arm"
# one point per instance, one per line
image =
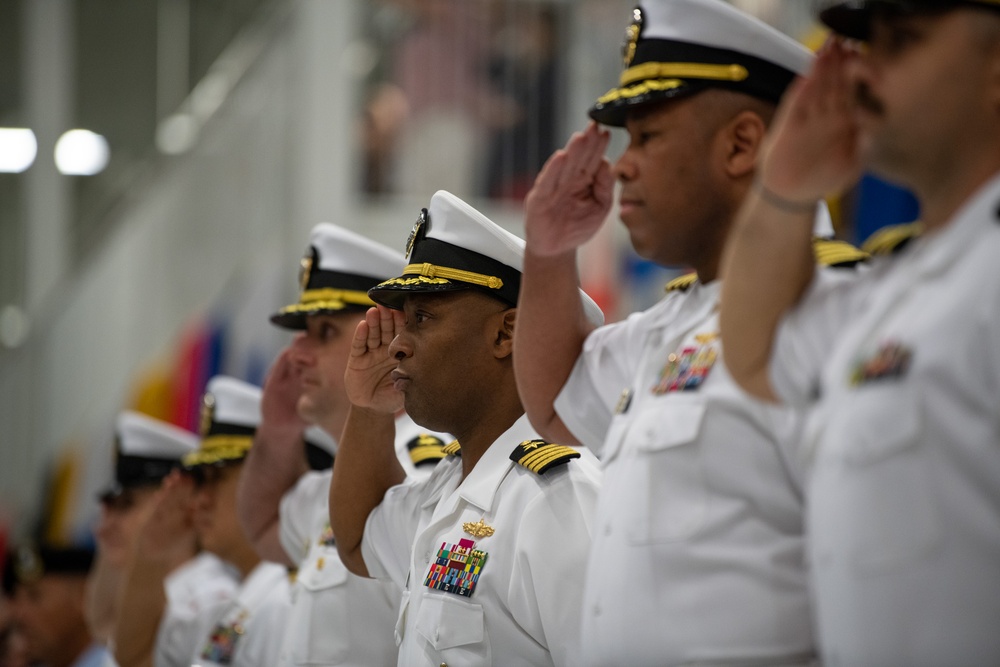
(166, 541)
(568, 203)
(275, 462)
(366, 465)
(768, 263)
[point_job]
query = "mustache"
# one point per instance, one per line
(864, 98)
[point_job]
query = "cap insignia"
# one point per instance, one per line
(478, 529)
(418, 231)
(305, 269)
(207, 414)
(632, 36)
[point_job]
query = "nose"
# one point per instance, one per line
(400, 348)
(104, 524)
(203, 498)
(300, 351)
(624, 167)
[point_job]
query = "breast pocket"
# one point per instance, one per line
(670, 499)
(324, 596)
(454, 629)
(889, 511)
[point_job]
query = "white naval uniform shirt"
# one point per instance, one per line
(525, 607)
(904, 495)
(192, 590)
(698, 552)
(248, 630)
(337, 618)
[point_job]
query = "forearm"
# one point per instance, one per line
(551, 328)
(141, 608)
(268, 473)
(364, 469)
(767, 267)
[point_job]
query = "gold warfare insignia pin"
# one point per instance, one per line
(305, 269)
(632, 36)
(418, 226)
(478, 529)
(207, 414)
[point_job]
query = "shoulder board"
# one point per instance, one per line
(452, 449)
(890, 240)
(682, 283)
(539, 456)
(834, 253)
(425, 450)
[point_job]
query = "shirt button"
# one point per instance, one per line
(320, 563)
(597, 610)
(608, 529)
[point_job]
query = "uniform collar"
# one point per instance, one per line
(937, 251)
(480, 487)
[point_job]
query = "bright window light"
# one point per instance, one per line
(81, 153)
(18, 148)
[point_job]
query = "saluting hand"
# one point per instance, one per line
(571, 196)
(168, 535)
(814, 148)
(280, 397)
(367, 378)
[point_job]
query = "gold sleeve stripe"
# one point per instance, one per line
(652, 70)
(432, 271)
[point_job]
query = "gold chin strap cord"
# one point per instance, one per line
(432, 271)
(652, 70)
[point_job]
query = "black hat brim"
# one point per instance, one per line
(394, 295)
(615, 112)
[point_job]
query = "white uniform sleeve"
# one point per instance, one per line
(546, 588)
(605, 367)
(391, 529)
(807, 333)
(297, 512)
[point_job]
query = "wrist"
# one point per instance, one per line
(780, 201)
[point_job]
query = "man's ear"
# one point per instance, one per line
(503, 345)
(743, 137)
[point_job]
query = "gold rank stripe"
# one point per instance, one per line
(542, 458)
(653, 70)
(433, 271)
(452, 448)
(888, 239)
(423, 453)
(829, 252)
(681, 283)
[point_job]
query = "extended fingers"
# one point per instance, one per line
(387, 324)
(359, 344)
